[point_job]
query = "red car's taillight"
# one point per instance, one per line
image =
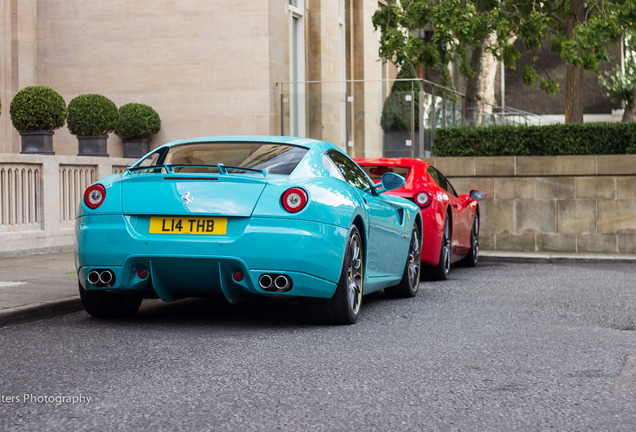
(94, 196)
(294, 199)
(423, 199)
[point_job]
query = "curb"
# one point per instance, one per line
(38, 311)
(538, 257)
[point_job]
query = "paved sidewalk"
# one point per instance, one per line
(37, 286)
(34, 287)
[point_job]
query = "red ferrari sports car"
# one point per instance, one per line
(450, 221)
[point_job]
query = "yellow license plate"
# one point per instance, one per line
(188, 225)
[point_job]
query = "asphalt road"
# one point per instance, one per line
(497, 348)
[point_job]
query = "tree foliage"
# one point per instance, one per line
(579, 31)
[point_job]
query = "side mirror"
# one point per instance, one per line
(477, 195)
(391, 181)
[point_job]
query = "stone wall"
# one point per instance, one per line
(583, 204)
(40, 195)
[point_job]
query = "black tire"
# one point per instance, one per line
(344, 306)
(103, 304)
(410, 282)
(440, 271)
(470, 260)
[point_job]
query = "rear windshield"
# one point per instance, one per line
(236, 156)
(376, 171)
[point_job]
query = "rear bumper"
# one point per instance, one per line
(309, 253)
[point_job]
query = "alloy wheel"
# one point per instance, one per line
(354, 275)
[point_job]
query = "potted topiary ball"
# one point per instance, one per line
(91, 117)
(136, 123)
(35, 112)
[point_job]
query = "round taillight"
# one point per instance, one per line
(294, 200)
(94, 196)
(423, 199)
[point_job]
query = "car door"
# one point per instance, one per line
(384, 243)
(461, 214)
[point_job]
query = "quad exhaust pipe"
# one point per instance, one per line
(275, 282)
(101, 278)
(266, 282)
(282, 283)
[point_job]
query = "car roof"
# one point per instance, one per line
(402, 162)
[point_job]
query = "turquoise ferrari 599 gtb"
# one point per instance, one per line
(244, 216)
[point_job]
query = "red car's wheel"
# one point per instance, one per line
(470, 260)
(440, 271)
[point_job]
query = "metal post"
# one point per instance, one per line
(503, 86)
(463, 111)
(282, 111)
(421, 123)
(348, 141)
(433, 119)
(412, 122)
(444, 112)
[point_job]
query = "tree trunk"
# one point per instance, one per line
(480, 88)
(574, 74)
(630, 112)
(574, 94)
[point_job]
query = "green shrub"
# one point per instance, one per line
(550, 140)
(396, 112)
(37, 108)
(137, 121)
(92, 114)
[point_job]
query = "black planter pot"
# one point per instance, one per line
(136, 147)
(37, 142)
(92, 145)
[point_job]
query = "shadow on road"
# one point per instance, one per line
(218, 311)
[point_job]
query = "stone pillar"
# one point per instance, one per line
(18, 61)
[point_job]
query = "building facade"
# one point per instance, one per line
(207, 68)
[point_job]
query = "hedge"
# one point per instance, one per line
(550, 140)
